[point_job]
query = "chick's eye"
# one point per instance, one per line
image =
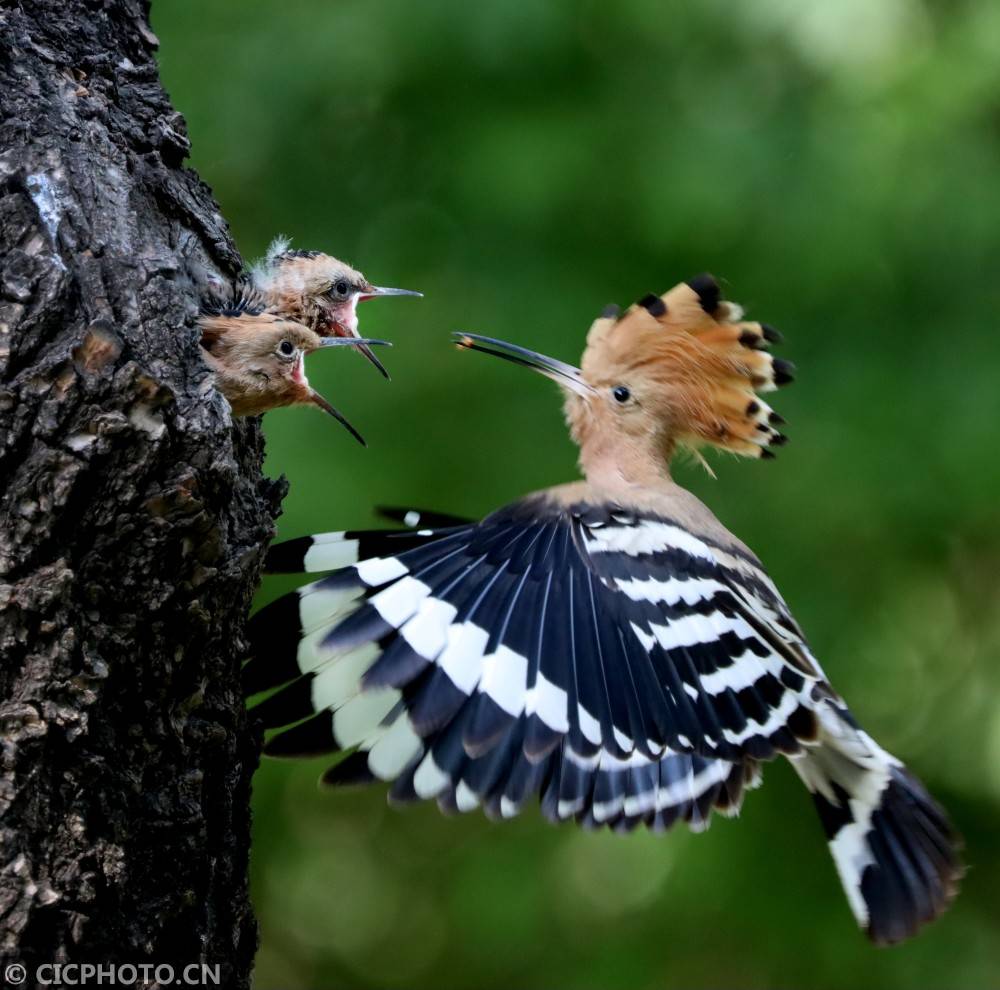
(286, 348)
(621, 393)
(341, 287)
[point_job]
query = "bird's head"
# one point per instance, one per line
(318, 289)
(680, 369)
(260, 362)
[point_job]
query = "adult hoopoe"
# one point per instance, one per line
(606, 644)
(317, 290)
(259, 361)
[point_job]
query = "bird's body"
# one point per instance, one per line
(606, 645)
(315, 289)
(259, 361)
(250, 370)
(302, 285)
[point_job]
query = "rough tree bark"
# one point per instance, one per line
(132, 517)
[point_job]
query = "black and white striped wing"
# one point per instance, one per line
(616, 665)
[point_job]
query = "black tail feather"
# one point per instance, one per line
(894, 848)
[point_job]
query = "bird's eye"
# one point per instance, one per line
(341, 287)
(621, 393)
(286, 348)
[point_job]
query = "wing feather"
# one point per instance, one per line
(620, 667)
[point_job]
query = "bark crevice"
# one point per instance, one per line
(133, 515)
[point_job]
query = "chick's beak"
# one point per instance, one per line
(364, 345)
(368, 353)
(561, 373)
(359, 342)
(376, 291)
(318, 400)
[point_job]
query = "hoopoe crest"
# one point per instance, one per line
(606, 646)
(691, 368)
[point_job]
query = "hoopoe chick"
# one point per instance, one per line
(317, 290)
(259, 362)
(607, 644)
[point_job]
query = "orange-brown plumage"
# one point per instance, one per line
(317, 290)
(303, 287)
(259, 362)
(681, 369)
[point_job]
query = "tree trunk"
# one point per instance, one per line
(133, 514)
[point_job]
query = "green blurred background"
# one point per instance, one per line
(523, 164)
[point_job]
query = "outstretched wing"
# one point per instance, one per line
(621, 667)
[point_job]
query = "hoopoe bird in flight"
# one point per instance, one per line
(317, 290)
(259, 360)
(606, 645)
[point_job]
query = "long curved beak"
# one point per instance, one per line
(364, 345)
(358, 342)
(564, 374)
(318, 400)
(377, 291)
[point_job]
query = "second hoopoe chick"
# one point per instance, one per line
(318, 290)
(607, 644)
(259, 362)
